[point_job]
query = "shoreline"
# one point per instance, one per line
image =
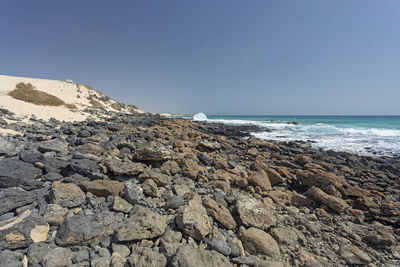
(134, 187)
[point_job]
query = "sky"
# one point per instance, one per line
(258, 57)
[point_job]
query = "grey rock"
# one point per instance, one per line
(22, 230)
(219, 245)
(31, 156)
(83, 229)
(52, 176)
(188, 256)
(121, 250)
(37, 251)
(149, 258)
(174, 202)
(58, 257)
(132, 192)
(7, 259)
(9, 148)
(53, 146)
(121, 205)
(142, 224)
(84, 133)
(55, 214)
(84, 166)
(12, 198)
(6, 216)
(14, 172)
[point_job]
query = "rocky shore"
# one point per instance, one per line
(145, 190)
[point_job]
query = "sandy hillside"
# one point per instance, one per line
(79, 95)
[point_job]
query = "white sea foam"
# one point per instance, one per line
(199, 117)
(361, 140)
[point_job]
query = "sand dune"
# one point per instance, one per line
(69, 92)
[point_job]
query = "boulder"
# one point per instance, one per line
(258, 242)
(158, 178)
(55, 214)
(121, 205)
(354, 256)
(85, 167)
(14, 172)
(58, 257)
(67, 195)
(53, 146)
(148, 258)
(335, 203)
(142, 224)
(188, 256)
(8, 148)
(259, 178)
(22, 230)
(274, 176)
(288, 235)
(219, 213)
(132, 192)
(103, 188)
(193, 219)
(124, 168)
(255, 213)
(152, 154)
(12, 198)
(8, 259)
(37, 251)
(83, 229)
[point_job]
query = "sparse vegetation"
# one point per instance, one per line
(91, 88)
(26, 92)
(116, 106)
(132, 107)
(95, 103)
(71, 106)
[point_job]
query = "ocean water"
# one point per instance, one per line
(373, 135)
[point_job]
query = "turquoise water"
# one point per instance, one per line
(377, 135)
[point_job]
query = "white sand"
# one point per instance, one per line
(66, 91)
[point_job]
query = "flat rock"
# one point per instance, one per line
(142, 224)
(14, 172)
(353, 255)
(120, 204)
(22, 230)
(124, 168)
(103, 188)
(152, 154)
(53, 146)
(12, 198)
(193, 219)
(258, 242)
(188, 256)
(84, 166)
(67, 195)
(255, 213)
(82, 229)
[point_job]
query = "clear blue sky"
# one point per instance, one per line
(214, 56)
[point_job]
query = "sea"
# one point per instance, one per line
(365, 135)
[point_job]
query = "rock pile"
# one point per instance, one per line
(143, 190)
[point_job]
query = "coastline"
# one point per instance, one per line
(137, 186)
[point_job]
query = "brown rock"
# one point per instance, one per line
(255, 213)
(158, 178)
(170, 167)
(258, 242)
(260, 179)
(153, 154)
(332, 202)
(219, 213)
(120, 204)
(287, 235)
(143, 224)
(103, 188)
(252, 151)
(353, 255)
(124, 168)
(67, 195)
(303, 159)
(380, 240)
(222, 185)
(274, 176)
